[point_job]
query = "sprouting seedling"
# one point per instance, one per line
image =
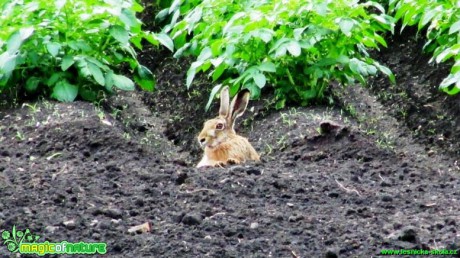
(20, 136)
(32, 108)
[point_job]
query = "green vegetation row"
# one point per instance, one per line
(83, 48)
(70, 48)
(440, 21)
(295, 46)
(299, 46)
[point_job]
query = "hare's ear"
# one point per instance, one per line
(224, 102)
(239, 104)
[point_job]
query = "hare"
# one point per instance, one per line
(218, 138)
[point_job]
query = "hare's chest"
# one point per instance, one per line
(218, 154)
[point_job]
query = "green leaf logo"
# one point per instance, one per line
(15, 238)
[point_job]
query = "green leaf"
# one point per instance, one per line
(426, 18)
(137, 41)
(267, 67)
(67, 62)
(64, 91)
(7, 62)
(96, 73)
(16, 39)
(55, 77)
(83, 68)
(385, 70)
(212, 95)
(151, 39)
(165, 40)
(281, 51)
(294, 48)
(145, 78)
(254, 89)
(298, 33)
(446, 54)
(53, 48)
(205, 54)
(343, 59)
(355, 66)
(380, 40)
(32, 84)
(128, 17)
(369, 42)
(122, 82)
(278, 44)
(281, 103)
(190, 76)
(260, 79)
(119, 33)
(174, 5)
(264, 34)
(346, 25)
(216, 47)
(14, 42)
(97, 62)
(88, 94)
(218, 71)
(162, 14)
(80, 45)
(448, 81)
(454, 27)
(327, 61)
(309, 94)
(191, 72)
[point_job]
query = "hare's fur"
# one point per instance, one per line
(221, 143)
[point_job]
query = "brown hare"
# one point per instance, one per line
(218, 138)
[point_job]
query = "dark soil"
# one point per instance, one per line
(343, 181)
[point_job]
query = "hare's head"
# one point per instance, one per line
(218, 130)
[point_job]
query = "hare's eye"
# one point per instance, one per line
(219, 126)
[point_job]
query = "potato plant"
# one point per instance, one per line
(296, 46)
(71, 48)
(440, 20)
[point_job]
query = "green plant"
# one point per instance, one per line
(70, 48)
(296, 46)
(20, 136)
(441, 20)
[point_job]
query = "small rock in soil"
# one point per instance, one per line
(192, 219)
(331, 254)
(139, 202)
(408, 235)
(237, 169)
(289, 163)
(230, 231)
(387, 198)
(333, 195)
(104, 225)
(385, 184)
(96, 236)
(253, 171)
(113, 213)
(70, 224)
(295, 218)
(328, 126)
(51, 229)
